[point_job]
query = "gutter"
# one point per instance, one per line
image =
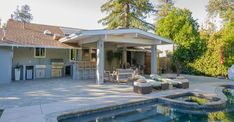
(51, 47)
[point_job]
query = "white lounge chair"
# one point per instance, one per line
(155, 83)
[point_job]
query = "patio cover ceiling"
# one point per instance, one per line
(127, 36)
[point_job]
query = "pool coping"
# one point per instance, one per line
(53, 117)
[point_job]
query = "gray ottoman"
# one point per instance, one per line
(142, 87)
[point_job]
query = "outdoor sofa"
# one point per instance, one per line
(120, 75)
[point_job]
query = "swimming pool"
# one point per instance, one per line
(1, 111)
(153, 111)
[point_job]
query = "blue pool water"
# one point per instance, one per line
(1, 113)
(152, 111)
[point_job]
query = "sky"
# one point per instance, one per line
(83, 13)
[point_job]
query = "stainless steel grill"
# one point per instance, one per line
(57, 66)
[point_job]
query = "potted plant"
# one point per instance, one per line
(17, 72)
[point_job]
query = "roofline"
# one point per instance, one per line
(115, 31)
(48, 25)
(32, 46)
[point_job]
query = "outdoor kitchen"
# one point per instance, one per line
(30, 64)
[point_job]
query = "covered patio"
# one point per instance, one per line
(119, 38)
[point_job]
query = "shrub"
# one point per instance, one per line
(198, 100)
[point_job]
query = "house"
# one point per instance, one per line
(35, 51)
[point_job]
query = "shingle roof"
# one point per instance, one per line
(31, 35)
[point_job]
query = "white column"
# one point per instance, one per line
(124, 56)
(154, 59)
(74, 71)
(100, 62)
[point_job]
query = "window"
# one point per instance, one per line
(73, 55)
(39, 52)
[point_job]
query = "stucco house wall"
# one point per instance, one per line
(6, 64)
(25, 56)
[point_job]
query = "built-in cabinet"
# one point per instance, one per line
(85, 70)
(40, 71)
(29, 72)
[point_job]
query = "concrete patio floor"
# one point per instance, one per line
(27, 93)
(43, 98)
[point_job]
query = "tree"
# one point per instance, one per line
(209, 63)
(164, 7)
(228, 47)
(127, 14)
(180, 27)
(23, 14)
(223, 8)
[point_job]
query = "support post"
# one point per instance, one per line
(74, 71)
(124, 57)
(100, 62)
(154, 59)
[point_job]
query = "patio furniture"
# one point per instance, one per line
(107, 77)
(158, 85)
(154, 83)
(182, 83)
(179, 82)
(124, 75)
(142, 87)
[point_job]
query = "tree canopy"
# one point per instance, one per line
(127, 14)
(23, 14)
(223, 8)
(180, 27)
(164, 7)
(200, 51)
(209, 63)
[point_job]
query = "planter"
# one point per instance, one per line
(17, 74)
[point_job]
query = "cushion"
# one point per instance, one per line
(139, 77)
(141, 81)
(180, 77)
(153, 82)
(140, 84)
(170, 81)
(156, 77)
